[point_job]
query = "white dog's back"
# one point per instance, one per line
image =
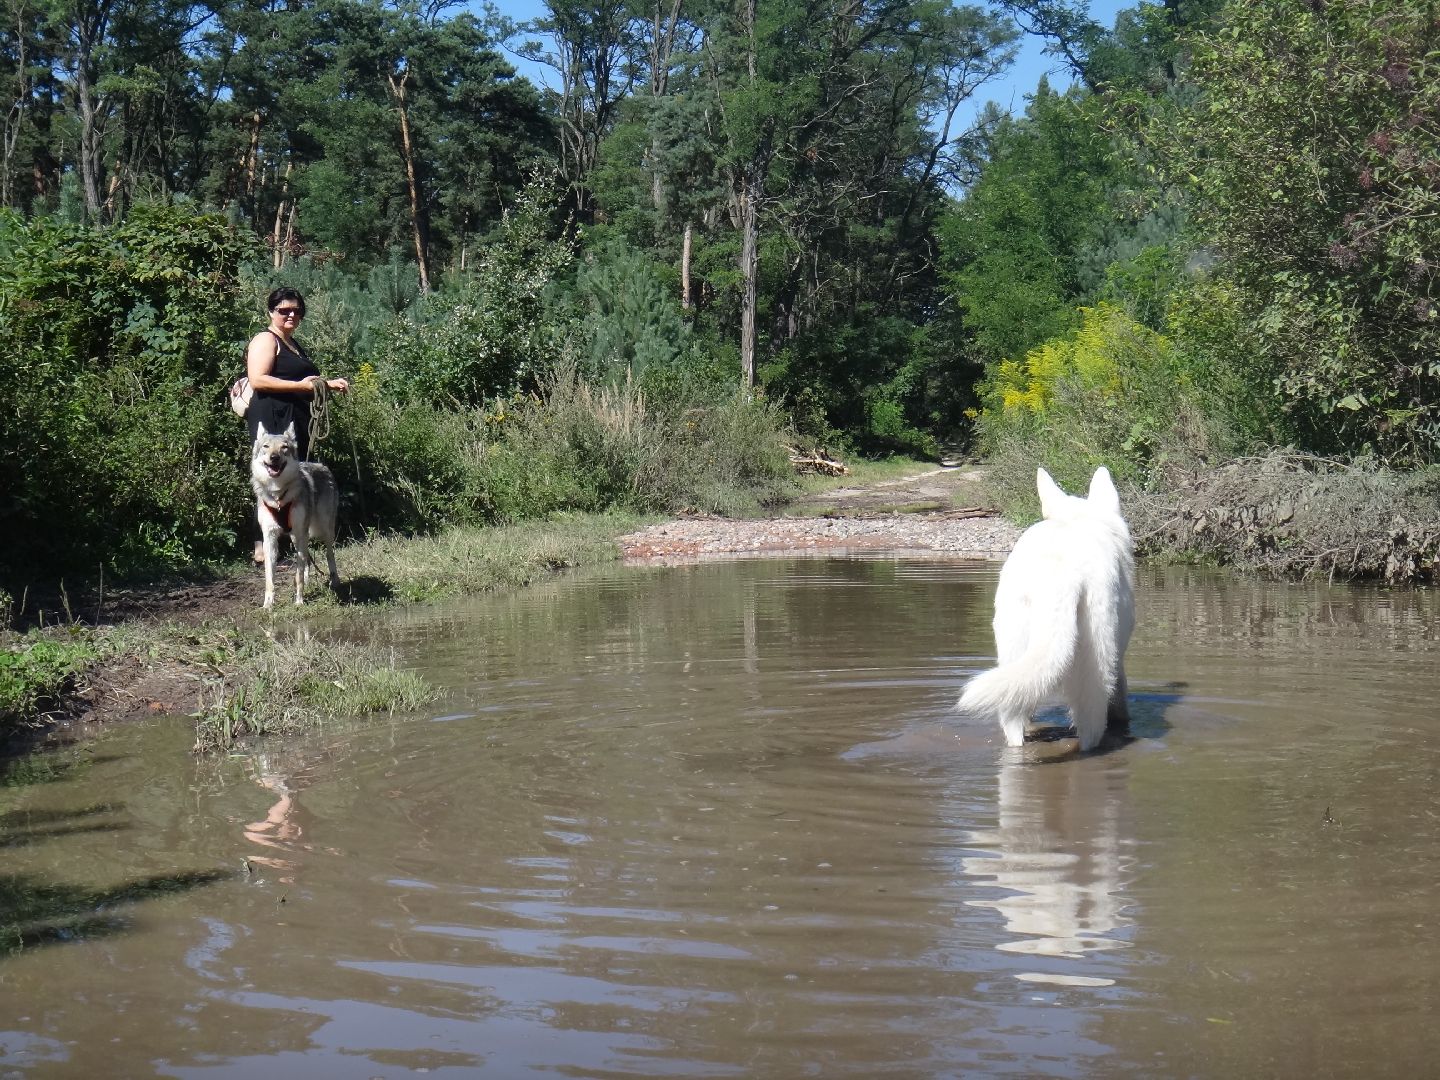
(1064, 612)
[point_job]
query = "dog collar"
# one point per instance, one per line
(280, 512)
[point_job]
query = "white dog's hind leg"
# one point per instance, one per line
(1087, 700)
(1012, 724)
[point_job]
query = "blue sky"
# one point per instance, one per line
(1009, 92)
(1030, 64)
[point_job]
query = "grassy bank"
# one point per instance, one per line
(242, 672)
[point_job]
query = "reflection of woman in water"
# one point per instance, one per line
(279, 829)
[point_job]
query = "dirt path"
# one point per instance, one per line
(938, 512)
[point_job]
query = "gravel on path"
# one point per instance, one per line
(934, 514)
(949, 535)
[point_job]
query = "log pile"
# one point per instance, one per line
(818, 462)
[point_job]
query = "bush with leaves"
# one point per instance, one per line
(587, 447)
(1110, 392)
(1313, 159)
(632, 321)
(485, 334)
(121, 341)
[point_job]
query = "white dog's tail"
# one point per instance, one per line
(1021, 685)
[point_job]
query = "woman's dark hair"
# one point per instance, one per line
(282, 294)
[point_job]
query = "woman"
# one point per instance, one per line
(282, 377)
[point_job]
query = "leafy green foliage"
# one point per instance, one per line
(35, 670)
(405, 465)
(1312, 162)
(631, 319)
(124, 339)
(486, 334)
(576, 446)
(1109, 392)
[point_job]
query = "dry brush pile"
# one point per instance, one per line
(1296, 515)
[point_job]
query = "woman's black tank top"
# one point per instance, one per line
(279, 410)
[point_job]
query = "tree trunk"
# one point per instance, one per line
(685, 269)
(749, 276)
(89, 34)
(422, 261)
(252, 154)
(15, 117)
(113, 189)
(751, 181)
(90, 167)
(662, 44)
(290, 228)
(279, 256)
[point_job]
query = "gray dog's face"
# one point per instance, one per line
(272, 454)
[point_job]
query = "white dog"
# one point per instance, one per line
(295, 498)
(1064, 611)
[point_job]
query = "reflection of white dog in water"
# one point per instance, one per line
(1064, 611)
(1057, 859)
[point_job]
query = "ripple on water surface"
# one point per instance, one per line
(720, 820)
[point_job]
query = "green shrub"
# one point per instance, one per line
(1110, 392)
(594, 448)
(486, 333)
(632, 322)
(34, 671)
(121, 340)
(578, 447)
(403, 465)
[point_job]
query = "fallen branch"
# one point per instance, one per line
(818, 463)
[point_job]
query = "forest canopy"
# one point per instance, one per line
(1220, 237)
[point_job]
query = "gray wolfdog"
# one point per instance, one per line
(293, 498)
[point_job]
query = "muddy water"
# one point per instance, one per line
(718, 821)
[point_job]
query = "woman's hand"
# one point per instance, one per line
(340, 386)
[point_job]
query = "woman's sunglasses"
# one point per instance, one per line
(288, 312)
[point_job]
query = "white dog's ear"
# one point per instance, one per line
(1051, 497)
(290, 431)
(1102, 491)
